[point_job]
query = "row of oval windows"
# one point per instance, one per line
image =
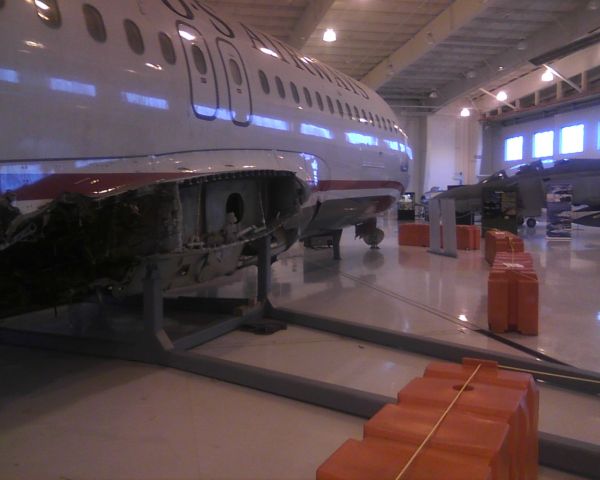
(50, 14)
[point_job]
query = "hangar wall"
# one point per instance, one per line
(453, 145)
(495, 136)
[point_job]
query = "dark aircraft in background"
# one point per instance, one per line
(532, 181)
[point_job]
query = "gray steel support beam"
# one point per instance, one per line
(569, 28)
(589, 381)
(456, 16)
(308, 22)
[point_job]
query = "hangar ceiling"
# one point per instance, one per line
(423, 54)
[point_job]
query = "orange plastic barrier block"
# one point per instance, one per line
(513, 297)
(459, 433)
(487, 401)
(490, 374)
(374, 459)
(499, 241)
(468, 237)
(413, 234)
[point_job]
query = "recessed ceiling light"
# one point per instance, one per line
(329, 35)
(465, 112)
(548, 76)
(471, 74)
(502, 96)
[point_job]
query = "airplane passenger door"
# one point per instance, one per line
(240, 100)
(204, 90)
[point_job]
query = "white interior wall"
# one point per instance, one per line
(453, 146)
(590, 118)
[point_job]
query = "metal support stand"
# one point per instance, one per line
(337, 237)
(442, 213)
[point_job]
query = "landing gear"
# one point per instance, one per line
(369, 233)
(531, 222)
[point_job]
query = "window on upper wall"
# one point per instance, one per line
(329, 104)
(513, 149)
(236, 72)
(280, 87)
(134, 36)
(199, 60)
(94, 23)
(166, 47)
(307, 97)
(264, 82)
(295, 93)
(571, 139)
(543, 144)
(319, 101)
(49, 13)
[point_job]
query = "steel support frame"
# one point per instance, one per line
(156, 347)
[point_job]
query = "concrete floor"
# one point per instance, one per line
(71, 417)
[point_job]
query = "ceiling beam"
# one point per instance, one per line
(308, 22)
(457, 15)
(570, 27)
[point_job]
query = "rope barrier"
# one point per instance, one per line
(436, 426)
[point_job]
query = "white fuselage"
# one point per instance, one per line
(92, 116)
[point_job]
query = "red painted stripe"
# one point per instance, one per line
(96, 184)
(325, 185)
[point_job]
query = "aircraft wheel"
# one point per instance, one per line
(520, 220)
(531, 222)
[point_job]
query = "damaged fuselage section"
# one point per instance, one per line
(192, 229)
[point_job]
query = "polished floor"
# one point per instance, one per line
(72, 417)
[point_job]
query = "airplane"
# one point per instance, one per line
(533, 181)
(160, 131)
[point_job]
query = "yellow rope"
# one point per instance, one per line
(436, 426)
(579, 379)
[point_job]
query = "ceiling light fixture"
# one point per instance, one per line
(329, 35)
(471, 74)
(522, 45)
(547, 76)
(501, 96)
(465, 112)
(433, 94)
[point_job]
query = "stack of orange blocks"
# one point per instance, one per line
(513, 294)
(489, 433)
(417, 235)
(500, 241)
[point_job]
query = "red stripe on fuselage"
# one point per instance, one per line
(99, 184)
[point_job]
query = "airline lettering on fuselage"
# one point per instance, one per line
(184, 9)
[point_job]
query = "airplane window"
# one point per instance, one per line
(199, 60)
(295, 92)
(280, 87)
(378, 121)
(166, 47)
(356, 115)
(319, 100)
(134, 36)
(49, 13)
(371, 119)
(349, 111)
(308, 98)
(340, 108)
(329, 104)
(94, 23)
(264, 82)
(236, 73)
